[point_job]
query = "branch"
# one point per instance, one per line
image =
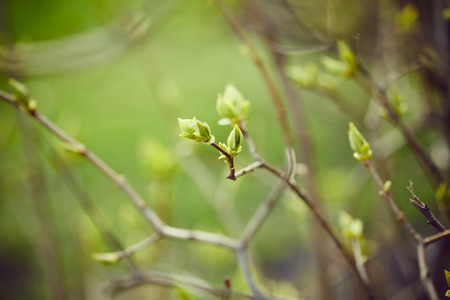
(388, 197)
(79, 148)
(276, 98)
(379, 93)
(243, 263)
(425, 210)
(230, 161)
(261, 215)
(425, 275)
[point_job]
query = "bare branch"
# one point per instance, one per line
(388, 197)
(425, 210)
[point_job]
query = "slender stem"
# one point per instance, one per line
(276, 98)
(425, 210)
(200, 236)
(388, 197)
(261, 215)
(243, 263)
(430, 168)
(230, 161)
(138, 246)
(76, 146)
(436, 237)
(425, 275)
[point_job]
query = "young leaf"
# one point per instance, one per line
(195, 130)
(361, 148)
(232, 106)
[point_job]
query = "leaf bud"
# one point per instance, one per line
(360, 146)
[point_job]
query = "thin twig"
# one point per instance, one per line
(436, 237)
(388, 197)
(396, 74)
(261, 215)
(436, 178)
(276, 98)
(425, 210)
(138, 246)
(230, 161)
(79, 148)
(243, 263)
(199, 236)
(250, 168)
(425, 275)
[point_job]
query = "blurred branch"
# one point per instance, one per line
(396, 74)
(276, 98)
(261, 214)
(79, 148)
(386, 194)
(118, 286)
(85, 50)
(243, 263)
(379, 93)
(421, 242)
(425, 275)
(88, 206)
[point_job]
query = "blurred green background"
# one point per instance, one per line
(116, 75)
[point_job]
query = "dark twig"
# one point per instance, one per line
(230, 161)
(425, 210)
(388, 197)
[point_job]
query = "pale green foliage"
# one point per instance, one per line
(183, 295)
(398, 105)
(106, 258)
(305, 76)
(157, 160)
(361, 148)
(351, 228)
(447, 277)
(387, 186)
(446, 13)
(346, 66)
(22, 95)
(443, 197)
(232, 106)
(196, 130)
(406, 19)
(234, 143)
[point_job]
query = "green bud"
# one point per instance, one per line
(232, 106)
(335, 66)
(346, 54)
(396, 100)
(346, 66)
(387, 186)
(350, 227)
(106, 258)
(234, 143)
(447, 277)
(21, 94)
(361, 148)
(407, 18)
(195, 130)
